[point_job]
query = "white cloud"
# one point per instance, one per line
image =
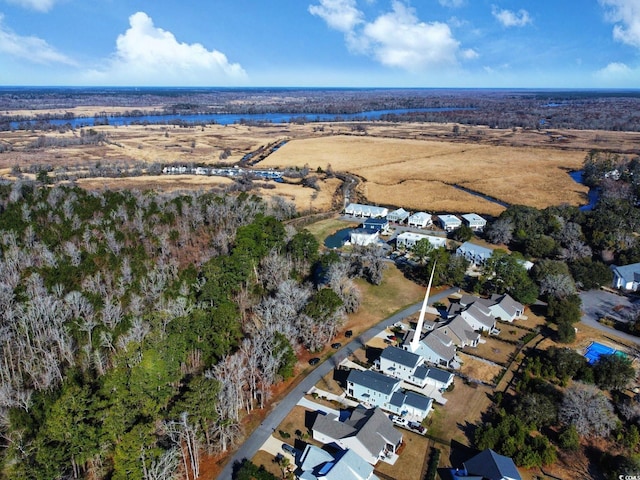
(618, 75)
(509, 18)
(395, 39)
(626, 16)
(33, 49)
(341, 15)
(147, 55)
(451, 3)
(39, 5)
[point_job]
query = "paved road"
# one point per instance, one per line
(600, 303)
(252, 444)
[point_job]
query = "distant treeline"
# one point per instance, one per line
(599, 109)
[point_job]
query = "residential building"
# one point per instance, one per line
(371, 388)
(436, 348)
(489, 465)
(317, 464)
(360, 236)
(449, 222)
(460, 332)
(441, 379)
(376, 224)
(410, 404)
(474, 221)
(479, 317)
(476, 254)
(368, 432)
(407, 240)
(626, 277)
(505, 308)
(404, 365)
(419, 220)
(398, 216)
(370, 211)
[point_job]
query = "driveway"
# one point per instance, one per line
(279, 411)
(599, 303)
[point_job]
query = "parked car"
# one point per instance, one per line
(387, 341)
(348, 333)
(417, 427)
(314, 361)
(289, 449)
(399, 421)
(336, 345)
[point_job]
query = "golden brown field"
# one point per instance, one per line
(420, 174)
(413, 165)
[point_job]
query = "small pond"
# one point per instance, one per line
(337, 239)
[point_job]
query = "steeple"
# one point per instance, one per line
(415, 341)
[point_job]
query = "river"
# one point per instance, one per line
(230, 118)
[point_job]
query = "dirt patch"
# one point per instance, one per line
(477, 369)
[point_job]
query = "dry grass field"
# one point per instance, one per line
(420, 174)
(413, 165)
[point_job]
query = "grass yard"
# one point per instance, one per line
(493, 350)
(478, 369)
(324, 228)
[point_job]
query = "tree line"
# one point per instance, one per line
(139, 328)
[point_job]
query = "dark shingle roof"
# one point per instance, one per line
(403, 357)
(373, 380)
(439, 375)
(492, 466)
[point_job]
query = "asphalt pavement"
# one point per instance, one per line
(280, 410)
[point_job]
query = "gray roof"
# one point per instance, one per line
(461, 329)
(434, 342)
(476, 251)
(417, 401)
(373, 380)
(400, 214)
(627, 272)
(473, 217)
(313, 456)
(439, 375)
(449, 219)
(331, 427)
(400, 356)
(375, 429)
(508, 304)
(481, 315)
(492, 466)
(349, 465)
(376, 221)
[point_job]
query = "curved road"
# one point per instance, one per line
(280, 410)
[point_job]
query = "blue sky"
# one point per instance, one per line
(322, 43)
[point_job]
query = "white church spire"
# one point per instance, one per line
(415, 341)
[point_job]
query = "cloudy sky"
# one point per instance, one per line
(323, 43)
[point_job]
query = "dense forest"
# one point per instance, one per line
(137, 327)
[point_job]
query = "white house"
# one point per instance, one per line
(502, 307)
(505, 308)
(449, 222)
(441, 379)
(411, 404)
(474, 221)
(436, 348)
(404, 365)
(317, 464)
(479, 317)
(368, 432)
(407, 240)
(360, 236)
(419, 220)
(626, 277)
(370, 211)
(460, 332)
(371, 388)
(476, 254)
(398, 216)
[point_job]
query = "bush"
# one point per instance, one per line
(432, 468)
